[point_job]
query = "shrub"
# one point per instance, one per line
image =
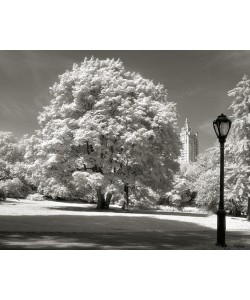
(36, 197)
(15, 188)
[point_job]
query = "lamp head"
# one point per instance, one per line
(222, 126)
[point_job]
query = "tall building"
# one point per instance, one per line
(189, 141)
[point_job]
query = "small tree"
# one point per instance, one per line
(202, 177)
(12, 167)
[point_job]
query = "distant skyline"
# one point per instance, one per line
(198, 81)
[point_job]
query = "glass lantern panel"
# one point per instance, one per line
(216, 129)
(224, 128)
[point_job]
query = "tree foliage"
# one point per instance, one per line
(12, 166)
(239, 144)
(203, 175)
(104, 128)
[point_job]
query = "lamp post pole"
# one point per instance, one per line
(221, 127)
(221, 213)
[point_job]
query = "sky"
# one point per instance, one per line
(198, 81)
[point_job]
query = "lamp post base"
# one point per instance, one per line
(221, 228)
(220, 245)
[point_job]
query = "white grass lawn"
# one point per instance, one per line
(33, 208)
(30, 224)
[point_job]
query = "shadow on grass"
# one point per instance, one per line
(85, 208)
(100, 232)
(126, 241)
(170, 213)
(104, 241)
(130, 211)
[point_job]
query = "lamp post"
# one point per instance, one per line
(221, 127)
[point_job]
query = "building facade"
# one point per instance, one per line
(190, 144)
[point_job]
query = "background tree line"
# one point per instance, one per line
(202, 176)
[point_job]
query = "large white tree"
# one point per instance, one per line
(105, 129)
(238, 147)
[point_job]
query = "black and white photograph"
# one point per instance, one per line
(104, 150)
(124, 149)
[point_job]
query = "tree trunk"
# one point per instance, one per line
(108, 199)
(100, 199)
(248, 209)
(103, 203)
(126, 194)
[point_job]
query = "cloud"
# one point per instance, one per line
(17, 110)
(14, 107)
(207, 127)
(194, 91)
(41, 100)
(35, 66)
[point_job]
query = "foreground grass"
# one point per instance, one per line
(29, 224)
